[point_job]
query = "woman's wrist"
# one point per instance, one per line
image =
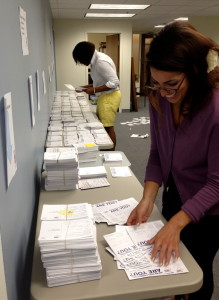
(147, 200)
(180, 220)
(150, 191)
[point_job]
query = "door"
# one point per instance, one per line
(145, 43)
(112, 49)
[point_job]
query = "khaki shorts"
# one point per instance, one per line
(107, 107)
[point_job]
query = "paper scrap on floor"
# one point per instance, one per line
(142, 136)
(137, 121)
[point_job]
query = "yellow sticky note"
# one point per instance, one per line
(90, 145)
(66, 212)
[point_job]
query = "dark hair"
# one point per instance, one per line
(178, 47)
(83, 52)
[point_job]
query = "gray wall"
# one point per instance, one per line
(18, 203)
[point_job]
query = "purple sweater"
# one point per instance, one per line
(191, 152)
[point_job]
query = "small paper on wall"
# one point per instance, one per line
(37, 90)
(10, 144)
(50, 74)
(44, 83)
(30, 85)
(23, 30)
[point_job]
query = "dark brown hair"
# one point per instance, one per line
(83, 52)
(178, 47)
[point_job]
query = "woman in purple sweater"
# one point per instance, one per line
(183, 85)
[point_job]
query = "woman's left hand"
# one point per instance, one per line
(166, 244)
(166, 241)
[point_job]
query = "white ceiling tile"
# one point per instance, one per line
(160, 10)
(71, 13)
(74, 4)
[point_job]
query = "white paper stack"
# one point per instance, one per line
(72, 122)
(102, 206)
(68, 246)
(112, 158)
(102, 138)
(86, 152)
(60, 149)
(95, 125)
(85, 184)
(92, 172)
(66, 211)
(114, 212)
(62, 170)
(85, 137)
(123, 171)
(70, 139)
(130, 249)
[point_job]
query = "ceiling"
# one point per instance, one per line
(160, 11)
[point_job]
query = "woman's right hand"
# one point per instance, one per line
(140, 213)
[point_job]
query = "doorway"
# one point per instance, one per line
(145, 43)
(108, 43)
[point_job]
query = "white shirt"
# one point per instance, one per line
(103, 72)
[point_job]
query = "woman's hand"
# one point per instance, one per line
(166, 244)
(141, 213)
(166, 241)
(143, 210)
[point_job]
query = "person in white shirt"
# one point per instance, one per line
(105, 84)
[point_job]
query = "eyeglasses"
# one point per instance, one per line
(169, 92)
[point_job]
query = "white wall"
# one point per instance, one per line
(70, 32)
(207, 25)
(3, 291)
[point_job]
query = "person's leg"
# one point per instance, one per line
(112, 135)
(203, 250)
(107, 107)
(193, 237)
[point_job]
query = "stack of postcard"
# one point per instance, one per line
(112, 158)
(92, 172)
(86, 152)
(70, 139)
(54, 135)
(62, 170)
(85, 136)
(132, 252)
(68, 244)
(94, 125)
(102, 139)
(114, 212)
(86, 184)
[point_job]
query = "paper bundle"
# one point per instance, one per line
(130, 249)
(92, 172)
(86, 152)
(68, 246)
(112, 158)
(114, 212)
(62, 170)
(102, 139)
